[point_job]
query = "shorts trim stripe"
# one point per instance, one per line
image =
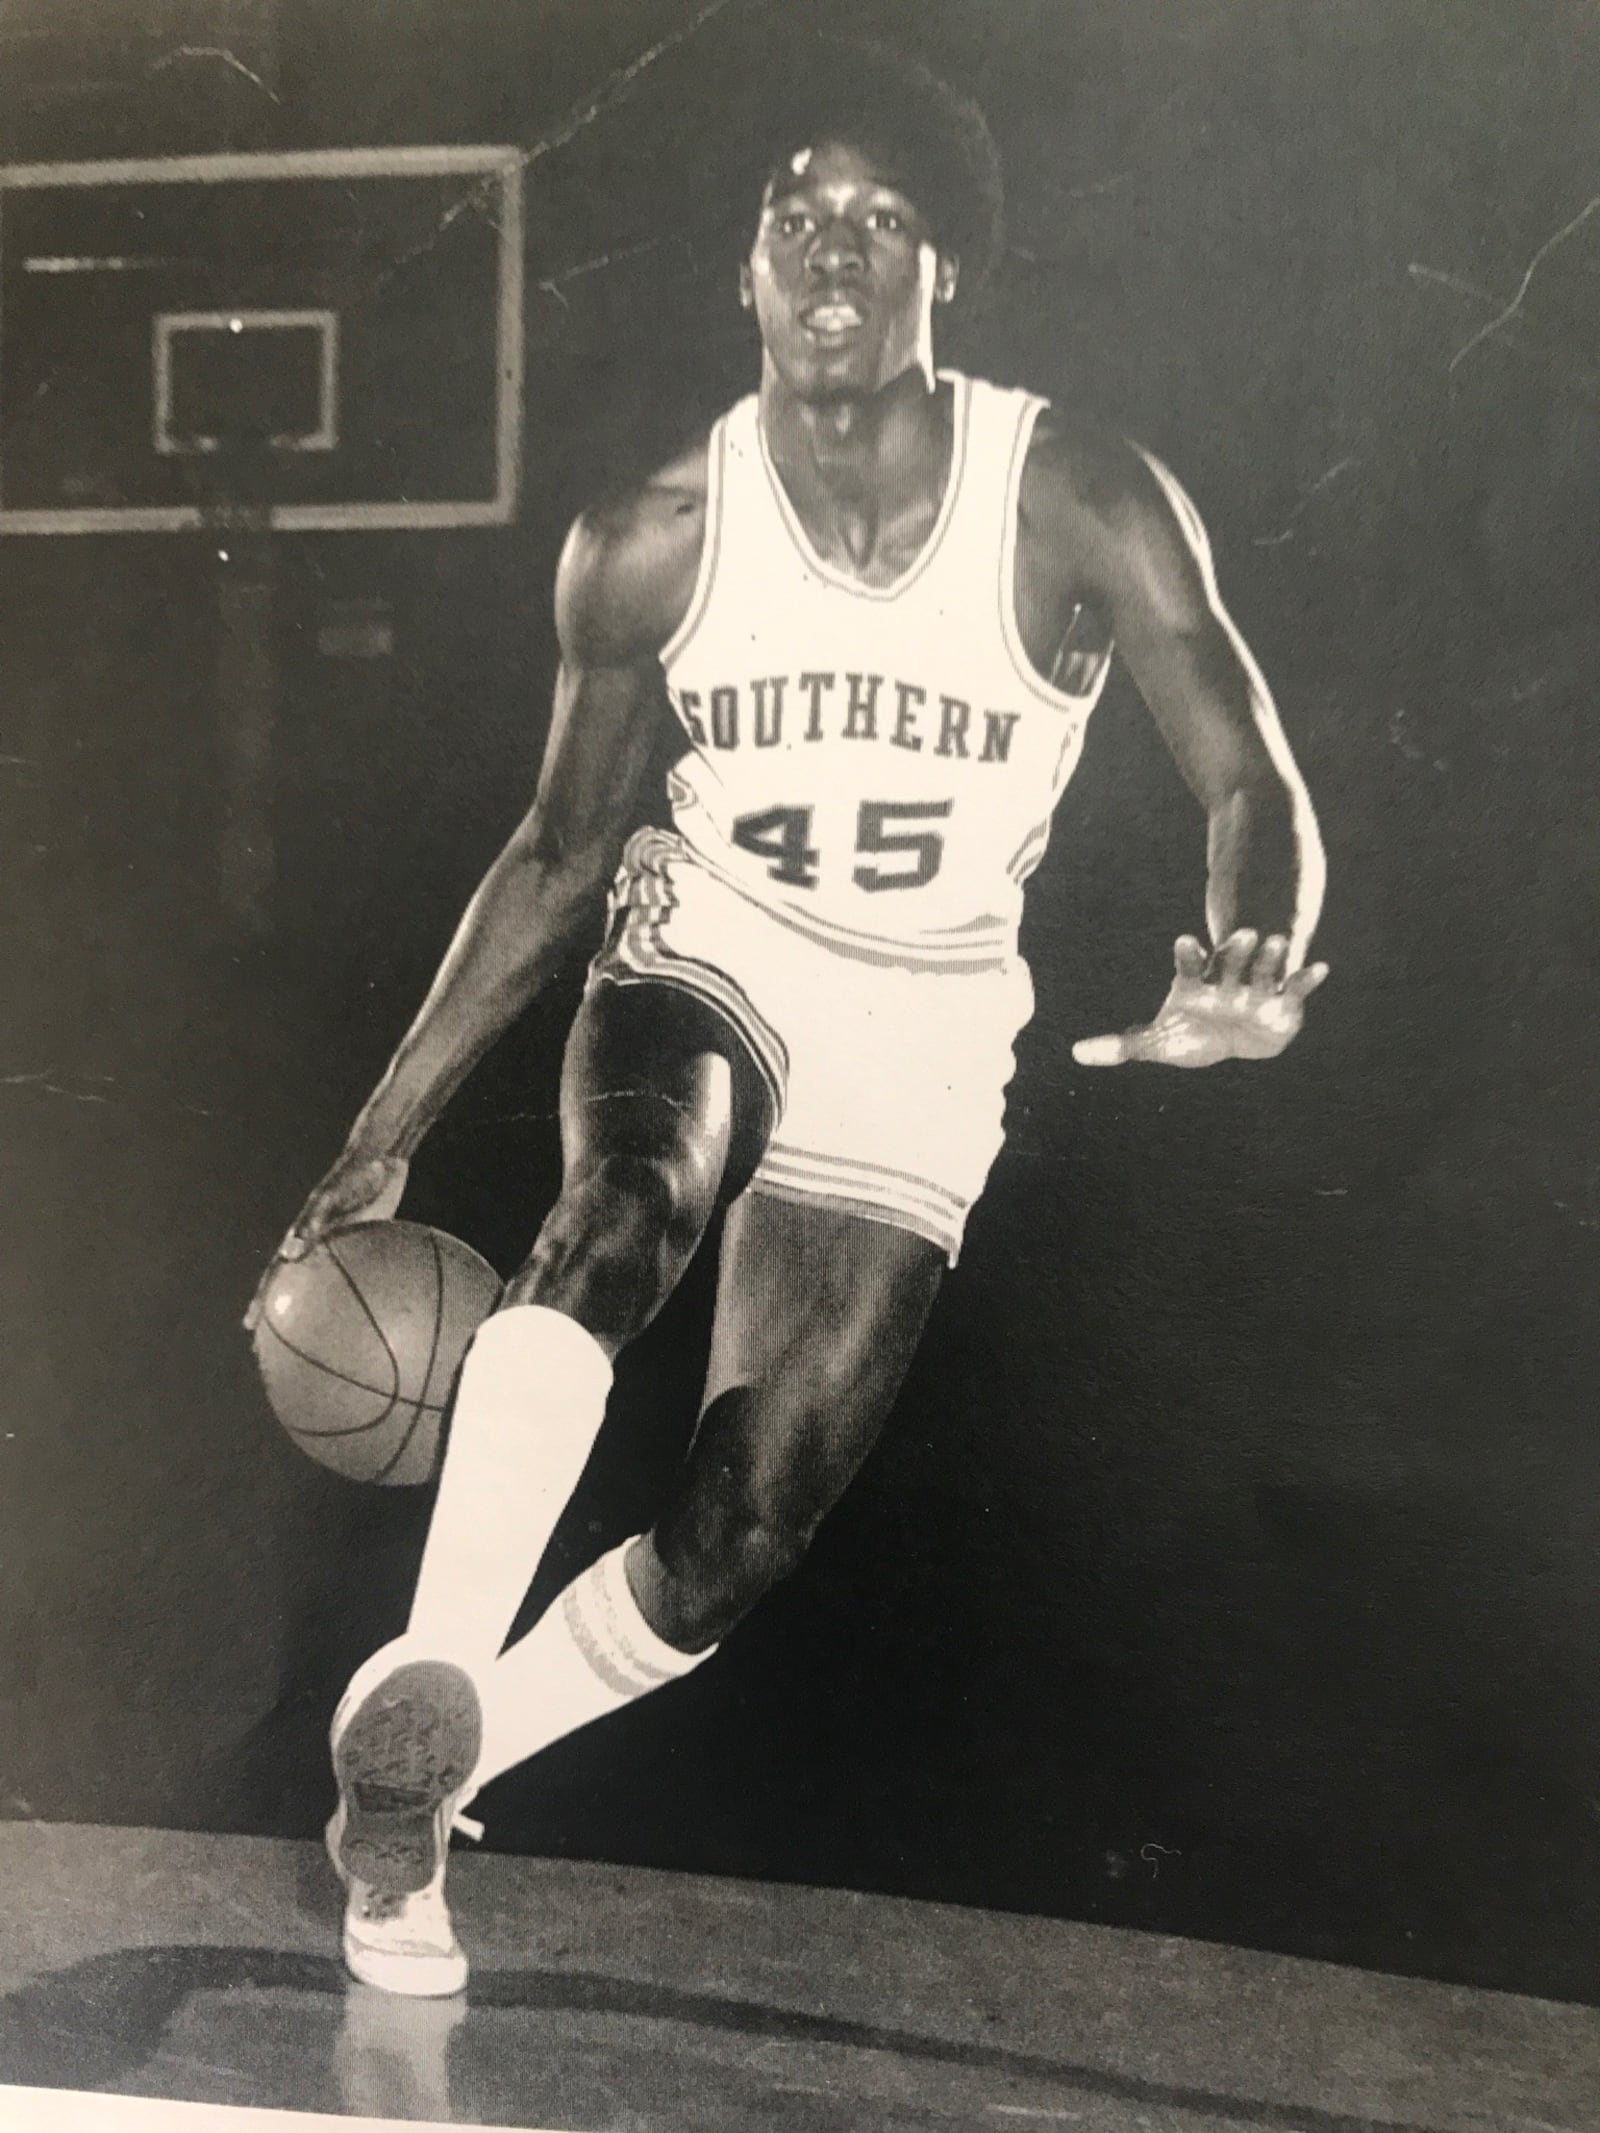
(650, 956)
(949, 962)
(803, 1178)
(1029, 852)
(638, 950)
(940, 1234)
(850, 1165)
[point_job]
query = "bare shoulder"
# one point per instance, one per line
(628, 570)
(1081, 471)
(1100, 509)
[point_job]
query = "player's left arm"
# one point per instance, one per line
(1142, 556)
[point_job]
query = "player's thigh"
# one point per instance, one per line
(818, 1317)
(652, 1072)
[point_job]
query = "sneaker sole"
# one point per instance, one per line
(409, 1977)
(411, 1743)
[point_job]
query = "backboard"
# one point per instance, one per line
(326, 340)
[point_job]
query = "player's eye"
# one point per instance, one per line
(887, 218)
(794, 224)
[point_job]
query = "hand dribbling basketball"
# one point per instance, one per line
(360, 1187)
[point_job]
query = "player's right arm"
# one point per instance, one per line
(625, 580)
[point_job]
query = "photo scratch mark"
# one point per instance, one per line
(98, 1089)
(1152, 1854)
(45, 1079)
(554, 285)
(617, 84)
(182, 53)
(1442, 280)
(481, 196)
(1504, 318)
(1323, 481)
(1519, 334)
(613, 258)
(1400, 738)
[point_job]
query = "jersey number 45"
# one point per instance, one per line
(782, 836)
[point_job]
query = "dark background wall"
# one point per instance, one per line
(1229, 1566)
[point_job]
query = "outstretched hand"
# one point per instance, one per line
(359, 1188)
(1235, 1004)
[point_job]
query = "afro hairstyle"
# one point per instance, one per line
(933, 141)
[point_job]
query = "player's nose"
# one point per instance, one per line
(836, 248)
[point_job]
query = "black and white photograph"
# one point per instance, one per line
(799, 1195)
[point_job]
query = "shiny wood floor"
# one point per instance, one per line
(606, 2000)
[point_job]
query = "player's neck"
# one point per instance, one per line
(874, 455)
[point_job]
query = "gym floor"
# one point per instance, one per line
(205, 1968)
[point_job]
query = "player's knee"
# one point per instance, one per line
(615, 1242)
(661, 1195)
(627, 1202)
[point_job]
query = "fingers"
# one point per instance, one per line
(355, 1190)
(1104, 1051)
(1265, 970)
(1189, 957)
(1231, 962)
(1270, 964)
(258, 1302)
(307, 1232)
(304, 1238)
(305, 1235)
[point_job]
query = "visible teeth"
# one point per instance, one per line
(836, 315)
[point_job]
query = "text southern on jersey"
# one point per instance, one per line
(772, 708)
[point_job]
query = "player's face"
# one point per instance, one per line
(843, 276)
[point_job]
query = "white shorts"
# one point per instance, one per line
(888, 1073)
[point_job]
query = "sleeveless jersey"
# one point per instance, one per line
(876, 765)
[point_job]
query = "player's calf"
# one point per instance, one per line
(709, 1584)
(817, 1319)
(741, 1524)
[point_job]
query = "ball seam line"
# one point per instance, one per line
(436, 1407)
(369, 1314)
(411, 1427)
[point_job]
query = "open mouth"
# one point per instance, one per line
(832, 317)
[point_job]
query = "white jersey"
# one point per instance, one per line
(877, 765)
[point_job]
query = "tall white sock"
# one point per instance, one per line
(589, 1655)
(531, 1400)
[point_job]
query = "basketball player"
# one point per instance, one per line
(880, 599)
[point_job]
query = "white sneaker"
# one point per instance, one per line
(402, 1944)
(405, 1742)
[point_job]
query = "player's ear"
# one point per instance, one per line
(747, 288)
(946, 275)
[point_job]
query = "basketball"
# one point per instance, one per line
(359, 1344)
